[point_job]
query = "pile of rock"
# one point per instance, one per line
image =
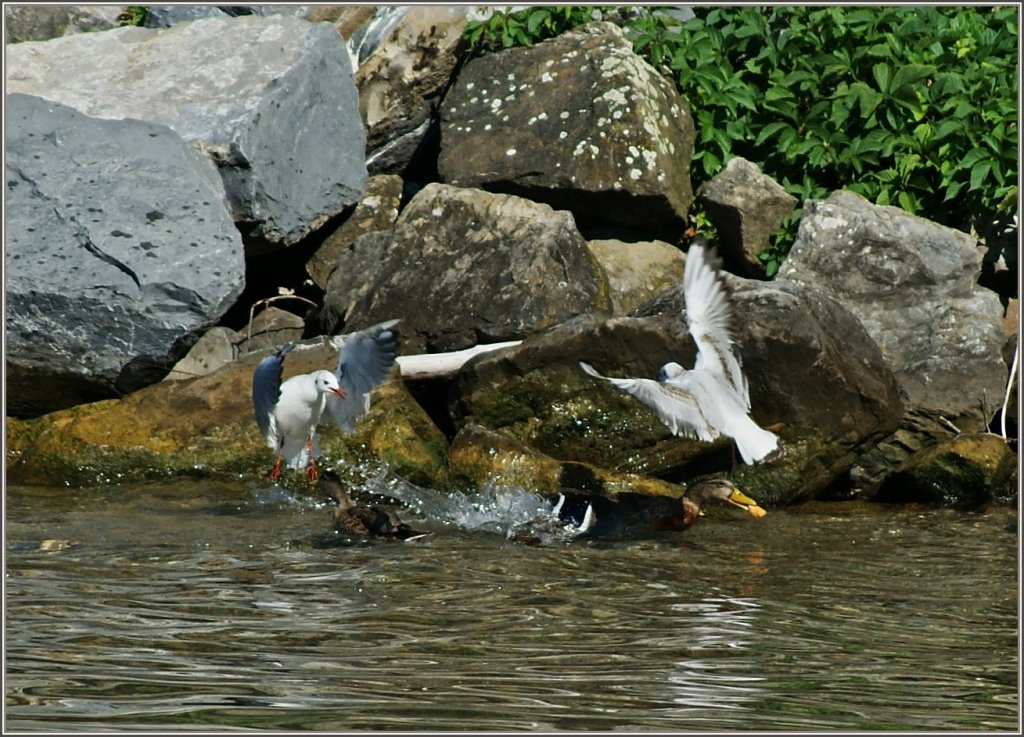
(359, 160)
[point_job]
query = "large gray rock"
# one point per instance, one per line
(270, 99)
(465, 266)
(120, 252)
(41, 22)
(912, 284)
(579, 122)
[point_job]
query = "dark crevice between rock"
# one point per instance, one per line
(434, 396)
(266, 273)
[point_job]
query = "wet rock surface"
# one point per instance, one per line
(539, 195)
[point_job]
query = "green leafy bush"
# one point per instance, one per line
(911, 106)
(526, 27)
(133, 15)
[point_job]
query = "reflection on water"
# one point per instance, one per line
(206, 606)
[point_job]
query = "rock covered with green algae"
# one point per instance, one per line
(479, 456)
(966, 472)
(205, 426)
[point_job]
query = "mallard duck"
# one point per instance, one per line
(636, 514)
(361, 521)
(712, 398)
(288, 413)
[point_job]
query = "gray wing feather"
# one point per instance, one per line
(266, 387)
(674, 405)
(364, 361)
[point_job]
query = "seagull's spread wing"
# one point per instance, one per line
(674, 405)
(266, 389)
(709, 318)
(364, 361)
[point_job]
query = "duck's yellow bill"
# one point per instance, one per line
(740, 499)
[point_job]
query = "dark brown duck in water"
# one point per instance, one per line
(630, 514)
(357, 520)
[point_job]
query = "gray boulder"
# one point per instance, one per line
(270, 99)
(41, 22)
(746, 207)
(120, 253)
(913, 285)
(579, 122)
(217, 348)
(465, 266)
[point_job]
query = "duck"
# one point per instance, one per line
(713, 398)
(288, 413)
(632, 514)
(356, 520)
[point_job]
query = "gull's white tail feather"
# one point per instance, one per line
(754, 442)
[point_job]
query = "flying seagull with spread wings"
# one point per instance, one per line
(712, 398)
(288, 412)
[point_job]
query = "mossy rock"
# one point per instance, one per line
(204, 427)
(965, 472)
(479, 456)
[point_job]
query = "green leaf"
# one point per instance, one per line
(537, 18)
(770, 130)
(882, 75)
(868, 99)
(908, 75)
(979, 172)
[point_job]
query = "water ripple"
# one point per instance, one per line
(198, 607)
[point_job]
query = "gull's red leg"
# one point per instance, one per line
(311, 471)
(275, 472)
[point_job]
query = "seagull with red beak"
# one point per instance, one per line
(288, 412)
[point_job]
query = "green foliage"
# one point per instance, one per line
(911, 106)
(700, 224)
(526, 27)
(133, 15)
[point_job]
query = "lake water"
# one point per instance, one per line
(216, 606)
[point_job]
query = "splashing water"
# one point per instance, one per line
(504, 510)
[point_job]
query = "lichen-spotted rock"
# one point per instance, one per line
(463, 266)
(579, 122)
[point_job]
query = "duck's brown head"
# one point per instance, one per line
(721, 490)
(334, 488)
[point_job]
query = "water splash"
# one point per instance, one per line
(509, 511)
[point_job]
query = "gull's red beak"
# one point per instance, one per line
(339, 392)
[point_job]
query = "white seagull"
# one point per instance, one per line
(288, 413)
(712, 398)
